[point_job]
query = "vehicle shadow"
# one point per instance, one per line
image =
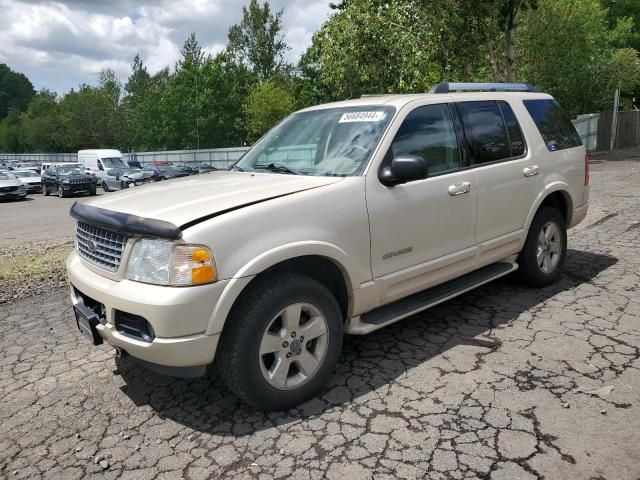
(367, 362)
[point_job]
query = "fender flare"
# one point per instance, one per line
(552, 187)
(266, 260)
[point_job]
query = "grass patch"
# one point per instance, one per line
(48, 264)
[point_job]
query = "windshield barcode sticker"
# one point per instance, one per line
(361, 117)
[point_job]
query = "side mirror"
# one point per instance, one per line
(402, 170)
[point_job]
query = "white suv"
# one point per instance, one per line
(344, 218)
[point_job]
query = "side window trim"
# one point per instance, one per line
(515, 117)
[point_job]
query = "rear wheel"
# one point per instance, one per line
(282, 342)
(544, 251)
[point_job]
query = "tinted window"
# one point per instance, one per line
(553, 123)
(485, 131)
(513, 129)
(428, 132)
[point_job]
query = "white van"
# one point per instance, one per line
(99, 161)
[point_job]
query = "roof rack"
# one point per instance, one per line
(482, 87)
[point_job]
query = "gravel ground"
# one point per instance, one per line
(504, 382)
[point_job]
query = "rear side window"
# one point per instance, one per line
(428, 132)
(513, 129)
(553, 124)
(485, 131)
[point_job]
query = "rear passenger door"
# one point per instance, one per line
(506, 175)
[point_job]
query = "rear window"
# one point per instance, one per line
(553, 124)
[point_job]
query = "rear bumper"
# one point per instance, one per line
(578, 214)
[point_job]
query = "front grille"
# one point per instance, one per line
(100, 247)
(8, 189)
(79, 181)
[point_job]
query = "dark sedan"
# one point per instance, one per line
(164, 172)
(67, 180)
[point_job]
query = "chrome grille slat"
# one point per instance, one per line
(100, 247)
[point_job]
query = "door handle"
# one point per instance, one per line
(530, 171)
(459, 189)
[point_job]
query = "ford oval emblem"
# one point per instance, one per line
(92, 246)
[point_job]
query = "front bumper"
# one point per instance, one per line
(178, 316)
(33, 187)
(13, 195)
(78, 188)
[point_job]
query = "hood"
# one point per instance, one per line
(37, 180)
(12, 182)
(185, 200)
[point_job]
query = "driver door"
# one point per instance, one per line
(423, 232)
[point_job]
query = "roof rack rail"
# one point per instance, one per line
(480, 87)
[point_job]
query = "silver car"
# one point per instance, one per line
(124, 177)
(11, 188)
(31, 180)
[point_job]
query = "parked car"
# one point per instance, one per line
(11, 188)
(98, 161)
(206, 169)
(121, 178)
(31, 180)
(344, 218)
(46, 165)
(67, 180)
(185, 167)
(164, 172)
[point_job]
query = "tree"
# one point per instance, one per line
(266, 105)
(192, 54)
(16, 91)
(136, 90)
(509, 11)
(258, 40)
(41, 124)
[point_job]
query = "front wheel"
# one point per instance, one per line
(104, 186)
(61, 193)
(92, 191)
(282, 342)
(544, 251)
(45, 191)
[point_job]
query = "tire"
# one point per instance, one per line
(251, 331)
(104, 187)
(45, 191)
(538, 268)
(92, 191)
(61, 193)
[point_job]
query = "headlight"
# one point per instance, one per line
(162, 262)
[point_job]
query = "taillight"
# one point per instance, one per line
(586, 170)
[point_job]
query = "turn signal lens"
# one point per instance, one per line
(192, 265)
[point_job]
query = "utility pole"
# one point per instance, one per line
(614, 120)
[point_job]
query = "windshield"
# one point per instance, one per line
(5, 176)
(328, 142)
(66, 171)
(113, 162)
(26, 174)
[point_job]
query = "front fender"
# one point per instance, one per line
(267, 260)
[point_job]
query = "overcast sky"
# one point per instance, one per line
(60, 44)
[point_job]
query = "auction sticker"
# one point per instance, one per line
(361, 117)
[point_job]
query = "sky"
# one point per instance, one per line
(61, 44)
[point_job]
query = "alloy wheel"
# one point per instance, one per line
(549, 247)
(293, 346)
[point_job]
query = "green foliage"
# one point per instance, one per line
(266, 105)
(577, 50)
(258, 40)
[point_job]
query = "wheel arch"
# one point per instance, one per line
(554, 195)
(319, 260)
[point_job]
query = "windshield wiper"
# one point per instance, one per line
(233, 166)
(276, 167)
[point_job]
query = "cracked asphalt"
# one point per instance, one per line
(504, 382)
